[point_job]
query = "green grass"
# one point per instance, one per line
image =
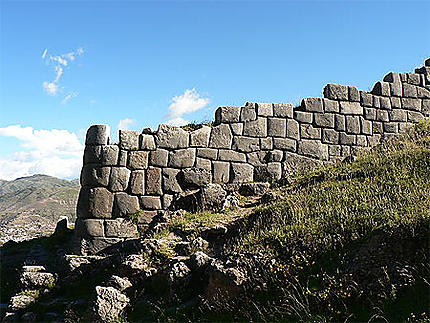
(196, 221)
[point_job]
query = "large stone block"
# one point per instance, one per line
(415, 116)
(221, 172)
(227, 115)
(351, 108)
(325, 120)
(159, 157)
(208, 153)
(303, 117)
(171, 180)
(242, 173)
(171, 137)
(200, 137)
(391, 127)
(121, 228)
(423, 93)
(138, 159)
(274, 156)
(413, 78)
(385, 103)
(237, 128)
(313, 148)
(119, 177)
(265, 109)
(312, 105)
(137, 182)
(353, 94)
(411, 104)
(89, 227)
(221, 137)
(109, 155)
(331, 105)
(274, 170)
(97, 135)
(231, 155)
(339, 122)
(147, 142)
(248, 113)
(92, 154)
(287, 144)
(382, 115)
(397, 115)
(257, 128)
(150, 202)
(153, 181)
(366, 99)
(370, 113)
(293, 130)
(97, 245)
(125, 205)
(196, 177)
(396, 103)
(353, 124)
(330, 136)
(204, 163)
(308, 131)
(94, 203)
(345, 139)
(336, 92)
(95, 175)
(129, 139)
(276, 127)
(182, 158)
(256, 158)
(366, 126)
(283, 110)
(381, 88)
(246, 144)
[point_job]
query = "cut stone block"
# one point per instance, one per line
(411, 104)
(339, 122)
(313, 148)
(377, 127)
(138, 160)
(125, 204)
(227, 115)
(182, 158)
(276, 127)
(242, 173)
(119, 177)
(312, 105)
(266, 143)
(381, 88)
(366, 126)
(122, 159)
(398, 115)
(92, 154)
(109, 155)
(171, 180)
(200, 137)
(303, 117)
(171, 137)
(208, 153)
(246, 144)
(370, 113)
(396, 103)
(196, 177)
(361, 140)
(147, 142)
(415, 116)
(353, 124)
(231, 155)
(94, 175)
(159, 157)
(385, 103)
(129, 139)
(366, 99)
(97, 135)
(150, 202)
(283, 110)
(287, 144)
(256, 158)
(275, 170)
(274, 156)
(121, 228)
(265, 109)
(96, 245)
(293, 131)
(423, 93)
(353, 94)
(308, 131)
(350, 108)
(221, 137)
(89, 227)
(382, 115)
(330, 136)
(248, 113)
(257, 128)
(331, 106)
(325, 120)
(221, 172)
(203, 163)
(237, 128)
(392, 127)
(345, 139)
(137, 183)
(336, 92)
(153, 181)
(94, 203)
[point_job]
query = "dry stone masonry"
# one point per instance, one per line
(149, 170)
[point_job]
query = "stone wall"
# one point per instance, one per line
(149, 170)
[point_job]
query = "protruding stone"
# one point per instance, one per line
(265, 109)
(147, 142)
(308, 131)
(200, 137)
(351, 108)
(331, 105)
(138, 159)
(381, 88)
(312, 105)
(125, 204)
(97, 135)
(248, 113)
(221, 137)
(119, 177)
(109, 155)
(196, 177)
(227, 115)
(353, 94)
(336, 92)
(129, 139)
(171, 137)
(221, 172)
(171, 180)
(153, 181)
(303, 117)
(94, 175)
(182, 158)
(92, 154)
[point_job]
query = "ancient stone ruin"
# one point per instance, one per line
(124, 185)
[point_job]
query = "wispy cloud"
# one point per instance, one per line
(125, 124)
(177, 122)
(59, 62)
(52, 152)
(188, 102)
(68, 97)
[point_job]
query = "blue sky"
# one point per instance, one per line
(133, 64)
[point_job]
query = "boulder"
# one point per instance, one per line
(212, 197)
(109, 303)
(119, 283)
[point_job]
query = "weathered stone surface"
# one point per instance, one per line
(413, 78)
(150, 202)
(353, 94)
(147, 142)
(275, 170)
(231, 155)
(345, 139)
(196, 177)
(92, 154)
(227, 115)
(36, 280)
(426, 108)
(370, 113)
(97, 135)
(253, 189)
(167, 200)
(256, 158)
(396, 103)
(109, 303)
(221, 137)
(331, 105)
(366, 126)
(221, 172)
(208, 153)
(109, 155)
(119, 177)
(274, 156)
(121, 228)
(392, 127)
(212, 197)
(351, 108)
(381, 88)
(119, 283)
(376, 101)
(415, 116)
(361, 140)
(366, 99)
(308, 131)
(334, 150)
(276, 127)
(285, 144)
(283, 110)
(204, 164)
(137, 182)
(237, 128)
(313, 148)
(89, 227)
(182, 158)
(336, 92)
(171, 137)
(122, 160)
(353, 124)
(385, 103)
(94, 175)
(382, 115)
(248, 113)
(411, 104)
(159, 157)
(266, 143)
(200, 137)
(19, 302)
(293, 131)
(246, 144)
(129, 139)
(397, 115)
(257, 128)
(423, 93)
(153, 181)
(171, 180)
(312, 105)
(303, 117)
(138, 159)
(94, 203)
(325, 120)
(242, 173)
(125, 204)
(96, 245)
(377, 127)
(265, 109)
(330, 136)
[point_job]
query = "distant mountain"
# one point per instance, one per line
(31, 206)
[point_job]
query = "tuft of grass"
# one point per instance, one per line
(196, 221)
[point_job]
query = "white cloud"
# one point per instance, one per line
(59, 60)
(188, 102)
(51, 88)
(177, 122)
(125, 124)
(44, 53)
(68, 97)
(52, 152)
